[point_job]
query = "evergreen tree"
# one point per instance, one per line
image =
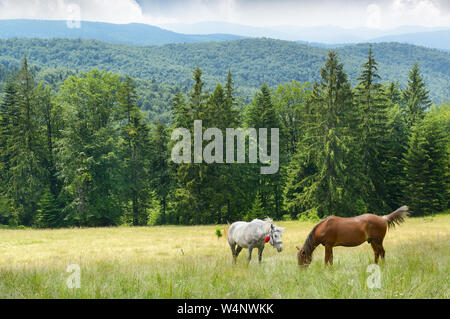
(256, 211)
(291, 104)
(88, 157)
(229, 90)
(192, 200)
(427, 164)
(223, 178)
(372, 128)
(180, 112)
(208, 193)
(197, 96)
(8, 112)
(21, 145)
(416, 97)
(235, 192)
(135, 149)
(230, 105)
(262, 114)
(393, 94)
(49, 211)
(396, 145)
(51, 124)
(319, 175)
(161, 172)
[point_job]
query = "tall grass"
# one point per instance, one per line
(191, 262)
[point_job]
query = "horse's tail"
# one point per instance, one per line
(225, 230)
(397, 217)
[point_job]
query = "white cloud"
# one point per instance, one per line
(117, 11)
(192, 11)
(383, 14)
(418, 12)
(373, 16)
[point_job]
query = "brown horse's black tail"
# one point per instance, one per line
(397, 217)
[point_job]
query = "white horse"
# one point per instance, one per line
(254, 235)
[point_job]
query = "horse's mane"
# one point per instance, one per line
(308, 246)
(268, 224)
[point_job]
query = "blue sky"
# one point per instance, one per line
(380, 14)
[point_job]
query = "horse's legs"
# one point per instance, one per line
(233, 252)
(328, 254)
(375, 251)
(381, 250)
(238, 250)
(378, 250)
(249, 254)
(260, 251)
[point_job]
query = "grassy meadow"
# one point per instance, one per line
(191, 262)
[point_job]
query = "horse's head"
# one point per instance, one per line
(303, 258)
(275, 237)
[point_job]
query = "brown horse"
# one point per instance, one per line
(349, 232)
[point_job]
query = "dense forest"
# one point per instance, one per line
(252, 62)
(83, 153)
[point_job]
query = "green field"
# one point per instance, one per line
(191, 262)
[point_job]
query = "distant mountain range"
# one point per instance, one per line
(134, 33)
(326, 36)
(435, 39)
(143, 34)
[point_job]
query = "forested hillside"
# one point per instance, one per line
(252, 61)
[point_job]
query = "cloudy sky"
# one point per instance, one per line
(380, 14)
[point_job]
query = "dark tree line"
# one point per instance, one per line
(86, 155)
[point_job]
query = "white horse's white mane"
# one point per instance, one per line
(268, 225)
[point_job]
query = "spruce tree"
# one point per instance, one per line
(396, 145)
(319, 176)
(427, 164)
(160, 168)
(180, 112)
(213, 192)
(21, 144)
(49, 211)
(416, 97)
(135, 151)
(262, 114)
(372, 134)
(8, 111)
(51, 121)
(393, 94)
(192, 203)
